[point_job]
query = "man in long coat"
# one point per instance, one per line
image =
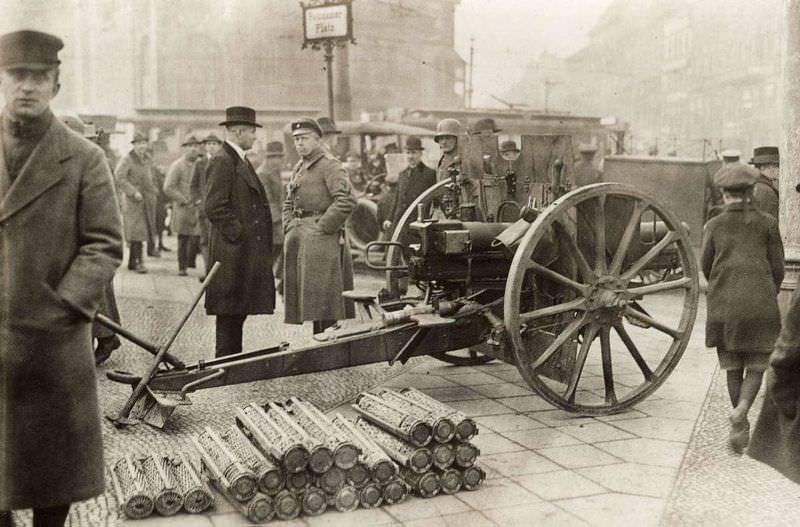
(136, 181)
(317, 262)
(765, 193)
(177, 186)
(415, 179)
(241, 234)
(60, 243)
(211, 145)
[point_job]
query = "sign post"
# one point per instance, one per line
(327, 24)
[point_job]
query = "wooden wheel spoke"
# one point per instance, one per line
(600, 263)
(627, 236)
(654, 251)
(660, 287)
(571, 246)
(650, 321)
(580, 362)
(555, 276)
(634, 351)
(572, 305)
(559, 341)
(608, 371)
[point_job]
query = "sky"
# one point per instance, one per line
(510, 33)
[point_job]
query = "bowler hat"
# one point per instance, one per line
(391, 148)
(274, 149)
(484, 125)
(240, 115)
(190, 140)
(139, 137)
(736, 177)
(304, 125)
(508, 146)
(327, 126)
(765, 155)
(212, 138)
(30, 50)
(414, 143)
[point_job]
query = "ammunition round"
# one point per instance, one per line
(313, 501)
(287, 507)
(370, 495)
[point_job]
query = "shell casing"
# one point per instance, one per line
(466, 428)
(417, 459)
(443, 428)
(167, 499)
(318, 425)
(197, 497)
(444, 454)
(466, 454)
(381, 467)
(388, 416)
(299, 480)
(472, 477)
(320, 456)
(358, 475)
(287, 506)
(225, 466)
(370, 495)
(270, 477)
(258, 509)
(272, 439)
(332, 480)
(313, 501)
(395, 491)
(450, 480)
(130, 486)
(424, 485)
(345, 499)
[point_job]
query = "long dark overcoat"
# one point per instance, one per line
(136, 174)
(411, 183)
(776, 437)
(316, 255)
(197, 189)
(177, 187)
(60, 243)
(765, 196)
(241, 238)
(743, 263)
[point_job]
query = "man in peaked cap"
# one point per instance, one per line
(211, 145)
(241, 234)
(318, 267)
(270, 173)
(765, 192)
(177, 187)
(61, 242)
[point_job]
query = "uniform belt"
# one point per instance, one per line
(300, 213)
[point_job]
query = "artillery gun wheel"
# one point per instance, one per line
(585, 312)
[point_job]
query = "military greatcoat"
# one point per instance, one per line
(241, 238)
(136, 174)
(177, 187)
(60, 243)
(317, 262)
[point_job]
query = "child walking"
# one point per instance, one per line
(742, 259)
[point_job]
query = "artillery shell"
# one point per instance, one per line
(224, 466)
(381, 467)
(444, 455)
(443, 428)
(425, 485)
(270, 477)
(358, 475)
(167, 498)
(332, 480)
(466, 454)
(388, 416)
(287, 506)
(450, 480)
(131, 489)
(258, 509)
(472, 477)
(313, 501)
(272, 439)
(320, 456)
(466, 428)
(418, 459)
(196, 495)
(370, 495)
(395, 491)
(345, 499)
(298, 480)
(319, 426)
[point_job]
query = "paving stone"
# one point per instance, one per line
(182, 520)
(495, 444)
(496, 494)
(646, 451)
(559, 485)
(437, 367)
(334, 518)
(452, 393)
(627, 414)
(464, 519)
(517, 463)
(658, 428)
(527, 403)
(418, 380)
(507, 422)
(479, 407)
(415, 508)
(497, 391)
(558, 417)
(633, 478)
(670, 409)
(508, 375)
(606, 510)
(496, 366)
(577, 456)
(534, 514)
(541, 438)
(591, 432)
(473, 379)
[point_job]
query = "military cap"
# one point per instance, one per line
(730, 154)
(587, 148)
(139, 137)
(765, 155)
(304, 125)
(484, 125)
(212, 138)
(240, 115)
(30, 50)
(190, 140)
(274, 149)
(736, 177)
(327, 126)
(414, 143)
(508, 146)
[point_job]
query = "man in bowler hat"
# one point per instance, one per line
(241, 234)
(765, 192)
(60, 244)
(415, 179)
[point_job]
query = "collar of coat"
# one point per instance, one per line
(313, 157)
(30, 129)
(139, 159)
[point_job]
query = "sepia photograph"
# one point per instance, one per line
(399, 263)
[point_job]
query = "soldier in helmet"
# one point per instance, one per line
(447, 134)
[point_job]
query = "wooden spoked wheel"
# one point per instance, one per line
(587, 333)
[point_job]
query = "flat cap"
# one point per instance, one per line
(304, 125)
(736, 177)
(190, 140)
(30, 50)
(212, 138)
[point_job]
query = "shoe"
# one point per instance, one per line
(164, 248)
(140, 269)
(182, 272)
(154, 254)
(104, 348)
(739, 436)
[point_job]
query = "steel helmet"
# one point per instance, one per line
(447, 127)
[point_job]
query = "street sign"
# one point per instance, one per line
(327, 21)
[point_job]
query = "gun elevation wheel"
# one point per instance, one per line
(588, 333)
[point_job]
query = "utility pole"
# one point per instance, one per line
(329, 45)
(471, 68)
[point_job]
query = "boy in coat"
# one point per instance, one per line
(742, 258)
